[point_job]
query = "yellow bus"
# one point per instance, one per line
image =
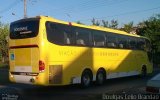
(47, 51)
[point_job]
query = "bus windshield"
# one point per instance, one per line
(24, 29)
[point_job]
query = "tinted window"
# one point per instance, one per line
(24, 29)
(82, 37)
(122, 41)
(132, 43)
(111, 40)
(69, 36)
(98, 39)
(141, 44)
(55, 33)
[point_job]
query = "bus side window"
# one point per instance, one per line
(141, 44)
(121, 43)
(55, 33)
(123, 40)
(132, 43)
(98, 39)
(111, 41)
(69, 36)
(68, 41)
(82, 37)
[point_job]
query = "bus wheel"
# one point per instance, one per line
(86, 78)
(144, 71)
(100, 77)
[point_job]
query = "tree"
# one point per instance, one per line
(105, 23)
(113, 24)
(78, 22)
(95, 22)
(128, 27)
(151, 28)
(4, 32)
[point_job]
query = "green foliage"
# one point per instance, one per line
(78, 22)
(128, 27)
(151, 29)
(95, 22)
(105, 23)
(4, 32)
(113, 24)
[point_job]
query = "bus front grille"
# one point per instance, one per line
(55, 74)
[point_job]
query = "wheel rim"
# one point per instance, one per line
(86, 80)
(100, 78)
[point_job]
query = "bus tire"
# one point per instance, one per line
(86, 78)
(144, 71)
(100, 77)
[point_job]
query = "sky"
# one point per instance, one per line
(84, 11)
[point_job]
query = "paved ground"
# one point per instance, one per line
(121, 86)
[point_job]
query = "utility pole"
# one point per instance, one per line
(25, 8)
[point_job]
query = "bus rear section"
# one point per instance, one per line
(24, 53)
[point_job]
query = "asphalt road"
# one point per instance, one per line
(128, 85)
